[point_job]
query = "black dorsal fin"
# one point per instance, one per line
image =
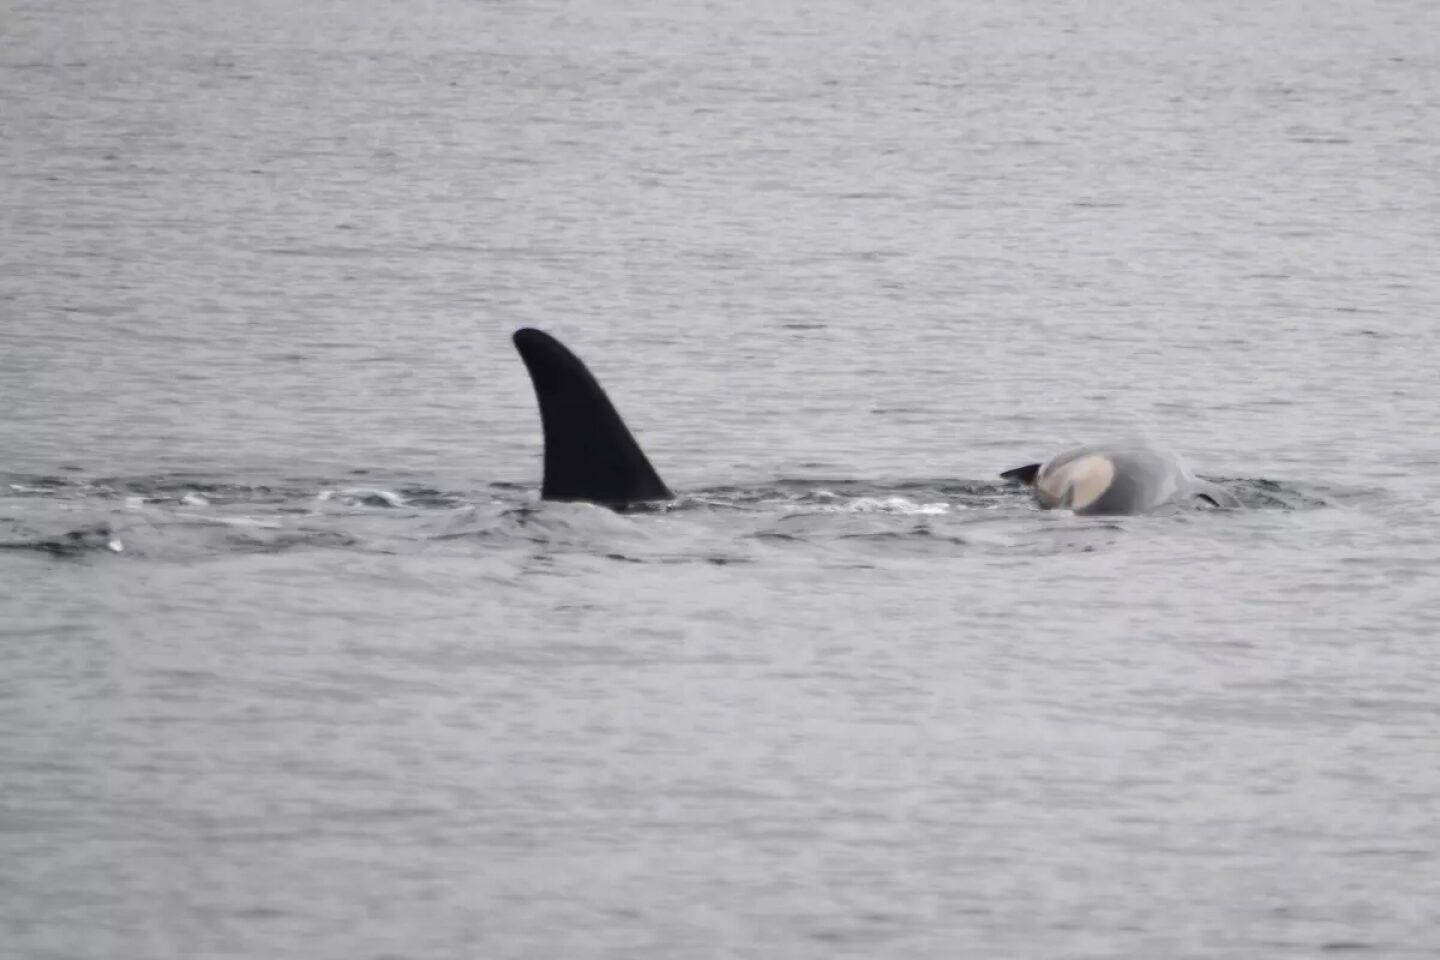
(1025, 474)
(589, 452)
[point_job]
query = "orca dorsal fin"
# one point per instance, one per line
(1025, 474)
(589, 452)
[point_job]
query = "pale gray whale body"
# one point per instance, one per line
(1117, 478)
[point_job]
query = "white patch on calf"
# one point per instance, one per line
(1076, 484)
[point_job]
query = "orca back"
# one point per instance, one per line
(589, 452)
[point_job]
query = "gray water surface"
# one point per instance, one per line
(293, 662)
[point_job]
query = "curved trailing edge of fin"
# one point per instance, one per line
(589, 452)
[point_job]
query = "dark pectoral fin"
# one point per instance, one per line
(1217, 496)
(1025, 474)
(589, 452)
(1224, 501)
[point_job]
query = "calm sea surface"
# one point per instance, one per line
(293, 663)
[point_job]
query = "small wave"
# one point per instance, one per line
(931, 497)
(34, 489)
(218, 521)
(895, 505)
(181, 488)
(362, 497)
(1261, 494)
(243, 541)
(73, 543)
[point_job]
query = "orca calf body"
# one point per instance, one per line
(1116, 479)
(589, 452)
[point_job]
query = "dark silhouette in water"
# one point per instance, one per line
(589, 452)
